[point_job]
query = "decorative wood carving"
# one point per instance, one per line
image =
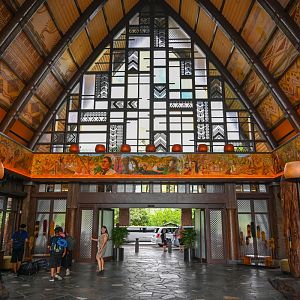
(289, 197)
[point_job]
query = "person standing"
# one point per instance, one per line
(18, 240)
(102, 245)
(58, 246)
(164, 241)
(67, 260)
(180, 240)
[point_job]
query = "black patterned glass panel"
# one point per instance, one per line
(147, 73)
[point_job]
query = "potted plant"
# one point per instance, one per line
(188, 239)
(118, 238)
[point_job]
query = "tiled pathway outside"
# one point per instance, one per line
(150, 274)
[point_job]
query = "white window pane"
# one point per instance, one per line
(73, 117)
(101, 104)
(159, 75)
(144, 60)
(133, 91)
(87, 104)
(186, 84)
(174, 78)
(88, 85)
(175, 138)
(160, 123)
(117, 92)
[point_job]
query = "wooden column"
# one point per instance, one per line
(124, 216)
(277, 221)
(291, 214)
(29, 207)
(232, 224)
(72, 205)
(186, 217)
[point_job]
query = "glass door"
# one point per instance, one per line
(91, 221)
(200, 243)
(216, 236)
(106, 218)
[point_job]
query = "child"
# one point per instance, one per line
(57, 247)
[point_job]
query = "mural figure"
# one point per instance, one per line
(106, 166)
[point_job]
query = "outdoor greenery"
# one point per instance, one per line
(118, 236)
(188, 237)
(152, 217)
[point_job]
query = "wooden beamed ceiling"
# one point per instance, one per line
(41, 56)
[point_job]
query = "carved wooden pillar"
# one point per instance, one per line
(232, 223)
(277, 221)
(72, 204)
(124, 216)
(290, 206)
(29, 207)
(186, 217)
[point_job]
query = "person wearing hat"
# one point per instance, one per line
(58, 246)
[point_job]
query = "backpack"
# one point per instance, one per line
(58, 244)
(71, 243)
(28, 268)
(18, 240)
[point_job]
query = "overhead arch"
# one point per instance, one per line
(15, 26)
(51, 59)
(231, 81)
(263, 73)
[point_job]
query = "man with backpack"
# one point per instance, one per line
(58, 246)
(18, 239)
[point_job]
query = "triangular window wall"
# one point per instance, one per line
(152, 85)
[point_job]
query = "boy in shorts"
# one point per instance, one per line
(58, 246)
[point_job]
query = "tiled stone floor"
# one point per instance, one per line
(150, 274)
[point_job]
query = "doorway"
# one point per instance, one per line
(210, 240)
(91, 221)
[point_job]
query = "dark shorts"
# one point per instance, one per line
(180, 242)
(17, 255)
(55, 260)
(67, 260)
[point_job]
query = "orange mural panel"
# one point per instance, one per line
(15, 157)
(152, 166)
(282, 130)
(22, 130)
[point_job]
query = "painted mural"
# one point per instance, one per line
(286, 153)
(15, 157)
(148, 165)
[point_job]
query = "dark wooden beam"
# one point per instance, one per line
(283, 20)
(82, 70)
(16, 25)
(256, 64)
(228, 77)
(50, 61)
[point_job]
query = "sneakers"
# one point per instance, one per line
(68, 273)
(51, 279)
(58, 277)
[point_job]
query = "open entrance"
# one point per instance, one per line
(209, 224)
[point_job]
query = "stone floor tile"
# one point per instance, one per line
(149, 274)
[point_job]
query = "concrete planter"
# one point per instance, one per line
(189, 254)
(119, 254)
